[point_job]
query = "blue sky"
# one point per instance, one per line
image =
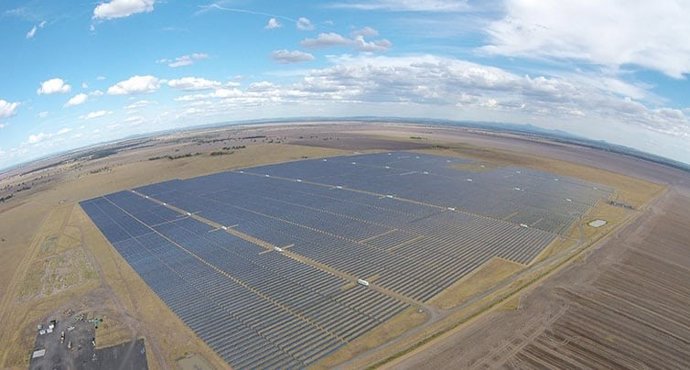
(81, 72)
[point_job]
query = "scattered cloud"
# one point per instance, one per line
(134, 120)
(32, 32)
(437, 6)
(63, 131)
(35, 139)
(194, 83)
(437, 84)
(326, 40)
(77, 100)
(184, 60)
(7, 109)
(34, 29)
(43, 114)
(42, 136)
(101, 78)
(288, 56)
(122, 8)
(53, 86)
(2, 125)
(96, 114)
(612, 33)
(261, 86)
(23, 13)
(371, 46)
(304, 24)
(139, 104)
(135, 85)
(365, 32)
(332, 39)
(273, 24)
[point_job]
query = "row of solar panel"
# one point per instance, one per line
(270, 300)
(348, 242)
(503, 192)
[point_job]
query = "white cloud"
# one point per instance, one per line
(194, 83)
(35, 139)
(371, 46)
(53, 86)
(614, 33)
(64, 131)
(122, 8)
(43, 114)
(134, 120)
(406, 5)
(135, 85)
(139, 104)
(101, 78)
(34, 29)
(455, 87)
(294, 56)
(8, 109)
(77, 100)
(365, 31)
(324, 40)
(304, 24)
(227, 93)
(273, 24)
(332, 39)
(223, 93)
(96, 114)
(184, 60)
(32, 32)
(262, 86)
(42, 136)
(2, 125)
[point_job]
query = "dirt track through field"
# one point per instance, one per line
(23, 268)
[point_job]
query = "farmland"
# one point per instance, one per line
(288, 224)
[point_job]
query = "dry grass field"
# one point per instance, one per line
(393, 328)
(494, 271)
(55, 259)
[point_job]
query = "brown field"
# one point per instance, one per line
(625, 306)
(55, 259)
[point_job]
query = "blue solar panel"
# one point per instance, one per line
(416, 222)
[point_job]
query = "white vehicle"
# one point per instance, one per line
(362, 282)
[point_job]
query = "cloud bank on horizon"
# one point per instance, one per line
(82, 73)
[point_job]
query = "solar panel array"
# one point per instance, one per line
(411, 223)
(255, 310)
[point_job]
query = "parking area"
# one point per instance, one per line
(70, 343)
